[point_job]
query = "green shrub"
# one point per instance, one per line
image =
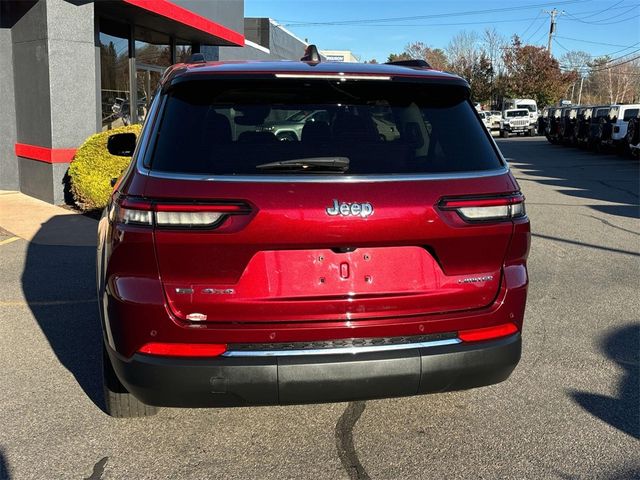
(93, 167)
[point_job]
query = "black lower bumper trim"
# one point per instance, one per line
(220, 382)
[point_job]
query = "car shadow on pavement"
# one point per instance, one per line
(4, 467)
(580, 173)
(58, 282)
(622, 411)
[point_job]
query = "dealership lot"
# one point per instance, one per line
(570, 410)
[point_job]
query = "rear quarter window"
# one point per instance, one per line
(223, 127)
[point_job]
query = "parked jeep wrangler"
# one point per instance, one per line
(633, 135)
(515, 121)
(606, 128)
(566, 128)
(619, 126)
(583, 123)
(542, 121)
(595, 126)
(553, 124)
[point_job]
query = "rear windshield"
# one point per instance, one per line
(247, 127)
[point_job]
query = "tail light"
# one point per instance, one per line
(129, 211)
(482, 209)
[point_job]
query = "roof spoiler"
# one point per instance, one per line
(414, 63)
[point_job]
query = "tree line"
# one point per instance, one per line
(497, 68)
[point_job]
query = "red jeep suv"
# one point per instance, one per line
(379, 251)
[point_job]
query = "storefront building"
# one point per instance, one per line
(339, 56)
(70, 68)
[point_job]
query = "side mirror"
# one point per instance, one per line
(122, 144)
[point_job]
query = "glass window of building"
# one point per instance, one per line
(114, 74)
(183, 51)
(153, 56)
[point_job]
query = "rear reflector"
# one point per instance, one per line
(184, 349)
(488, 333)
(480, 209)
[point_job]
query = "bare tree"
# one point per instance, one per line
(463, 53)
(493, 45)
(613, 80)
(577, 62)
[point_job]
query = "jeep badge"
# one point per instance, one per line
(350, 209)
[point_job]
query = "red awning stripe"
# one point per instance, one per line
(170, 10)
(45, 154)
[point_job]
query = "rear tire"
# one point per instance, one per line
(503, 134)
(119, 403)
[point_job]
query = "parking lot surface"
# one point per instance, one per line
(571, 410)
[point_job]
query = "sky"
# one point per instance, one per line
(376, 28)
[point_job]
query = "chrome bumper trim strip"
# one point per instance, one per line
(339, 350)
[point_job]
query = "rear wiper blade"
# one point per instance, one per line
(332, 164)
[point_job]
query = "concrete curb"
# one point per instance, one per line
(44, 224)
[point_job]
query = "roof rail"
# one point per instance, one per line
(196, 58)
(413, 63)
(311, 54)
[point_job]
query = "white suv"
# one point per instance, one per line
(515, 120)
(619, 132)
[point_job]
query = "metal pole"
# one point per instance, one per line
(573, 89)
(580, 91)
(133, 77)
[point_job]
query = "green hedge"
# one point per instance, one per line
(93, 167)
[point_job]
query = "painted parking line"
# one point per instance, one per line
(9, 240)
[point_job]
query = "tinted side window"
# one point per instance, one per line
(630, 113)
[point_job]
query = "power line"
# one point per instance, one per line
(602, 68)
(531, 24)
(540, 37)
(611, 23)
(604, 21)
(604, 54)
(544, 22)
(590, 41)
(608, 9)
(440, 15)
(483, 22)
(555, 40)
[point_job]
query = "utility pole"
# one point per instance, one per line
(552, 28)
(580, 94)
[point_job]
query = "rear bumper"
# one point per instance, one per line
(223, 381)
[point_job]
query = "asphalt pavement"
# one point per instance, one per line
(571, 410)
